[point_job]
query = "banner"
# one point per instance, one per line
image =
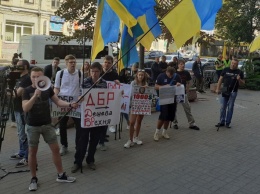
(57, 111)
(141, 100)
(180, 94)
(167, 94)
(100, 107)
(125, 100)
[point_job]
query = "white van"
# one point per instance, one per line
(40, 50)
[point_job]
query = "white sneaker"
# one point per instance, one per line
(127, 127)
(112, 129)
(63, 150)
(137, 141)
(156, 136)
(57, 131)
(165, 134)
(129, 144)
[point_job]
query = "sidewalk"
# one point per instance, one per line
(204, 161)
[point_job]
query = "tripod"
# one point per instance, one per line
(6, 103)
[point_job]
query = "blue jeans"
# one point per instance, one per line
(23, 142)
(227, 108)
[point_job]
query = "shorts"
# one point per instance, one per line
(34, 132)
(167, 112)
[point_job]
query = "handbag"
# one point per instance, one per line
(225, 92)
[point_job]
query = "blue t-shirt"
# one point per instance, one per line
(163, 79)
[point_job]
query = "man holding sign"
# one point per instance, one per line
(167, 111)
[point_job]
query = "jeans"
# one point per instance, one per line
(227, 108)
(23, 142)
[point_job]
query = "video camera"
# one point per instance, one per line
(11, 75)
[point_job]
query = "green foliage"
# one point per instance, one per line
(238, 20)
(252, 71)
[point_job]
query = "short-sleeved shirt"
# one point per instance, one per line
(184, 76)
(23, 82)
(70, 83)
(40, 112)
(110, 76)
(230, 78)
(163, 79)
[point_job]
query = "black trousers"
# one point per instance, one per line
(63, 130)
(103, 135)
(89, 138)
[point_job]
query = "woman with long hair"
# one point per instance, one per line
(135, 119)
(85, 68)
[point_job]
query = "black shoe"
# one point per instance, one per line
(107, 135)
(106, 140)
(194, 127)
(175, 126)
(220, 125)
(92, 166)
(75, 168)
(202, 91)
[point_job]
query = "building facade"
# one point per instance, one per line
(26, 17)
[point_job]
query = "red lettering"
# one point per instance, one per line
(110, 96)
(100, 100)
(90, 101)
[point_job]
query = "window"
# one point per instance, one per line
(55, 3)
(14, 31)
(61, 51)
(28, 1)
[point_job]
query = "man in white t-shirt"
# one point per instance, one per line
(67, 83)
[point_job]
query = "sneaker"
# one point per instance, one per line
(65, 178)
(165, 134)
(228, 126)
(137, 141)
(57, 131)
(112, 129)
(220, 125)
(103, 147)
(21, 163)
(13, 124)
(92, 166)
(156, 136)
(127, 127)
(129, 144)
(175, 126)
(194, 127)
(75, 168)
(33, 185)
(63, 150)
(16, 156)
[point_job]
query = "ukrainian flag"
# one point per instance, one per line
(189, 17)
(129, 10)
(106, 28)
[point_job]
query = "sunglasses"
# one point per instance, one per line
(141, 70)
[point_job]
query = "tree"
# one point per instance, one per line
(238, 20)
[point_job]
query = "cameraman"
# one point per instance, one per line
(24, 81)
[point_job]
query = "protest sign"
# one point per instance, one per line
(141, 100)
(100, 107)
(125, 100)
(166, 94)
(57, 111)
(180, 93)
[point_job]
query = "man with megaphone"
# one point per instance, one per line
(35, 102)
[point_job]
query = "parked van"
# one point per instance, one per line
(40, 50)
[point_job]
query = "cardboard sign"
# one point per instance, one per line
(125, 100)
(141, 100)
(57, 111)
(100, 107)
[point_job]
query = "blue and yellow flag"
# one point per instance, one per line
(129, 10)
(189, 17)
(106, 28)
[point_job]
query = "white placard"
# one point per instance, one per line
(100, 107)
(125, 100)
(141, 100)
(57, 111)
(166, 94)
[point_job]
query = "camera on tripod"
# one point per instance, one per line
(12, 74)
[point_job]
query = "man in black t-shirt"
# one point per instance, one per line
(185, 80)
(231, 77)
(38, 119)
(163, 64)
(22, 83)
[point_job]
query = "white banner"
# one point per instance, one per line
(125, 100)
(167, 93)
(180, 94)
(57, 111)
(141, 100)
(100, 107)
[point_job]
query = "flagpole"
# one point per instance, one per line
(110, 68)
